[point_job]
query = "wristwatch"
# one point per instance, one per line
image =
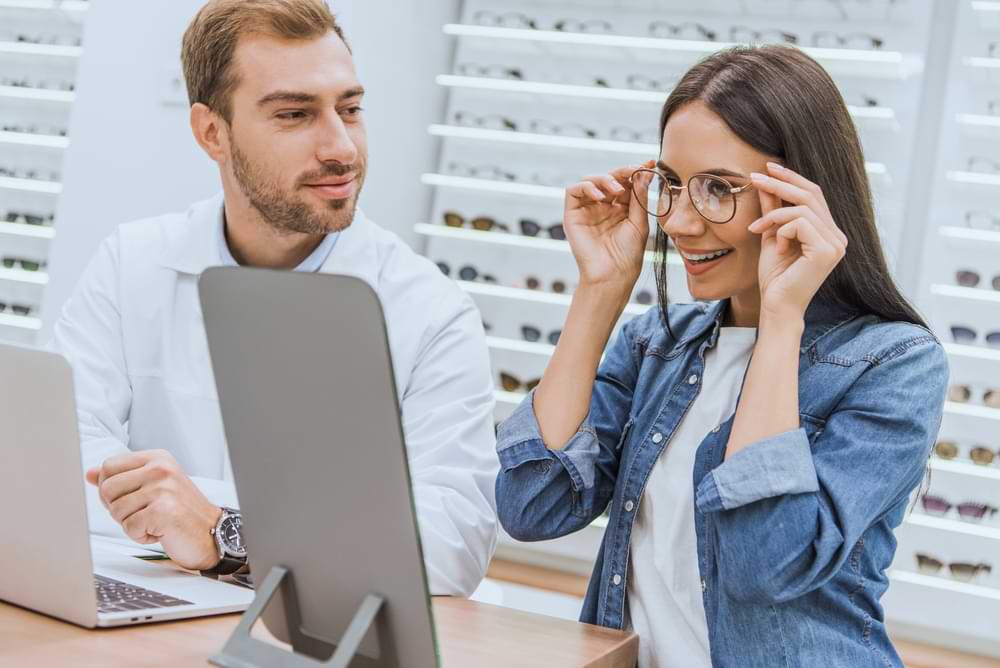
(228, 535)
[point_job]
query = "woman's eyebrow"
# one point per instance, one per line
(717, 171)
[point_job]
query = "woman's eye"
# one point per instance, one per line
(717, 189)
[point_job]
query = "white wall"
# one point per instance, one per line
(132, 154)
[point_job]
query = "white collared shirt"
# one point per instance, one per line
(134, 334)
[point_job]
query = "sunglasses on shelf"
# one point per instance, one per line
(587, 26)
(978, 454)
(963, 394)
(467, 273)
(929, 565)
(34, 130)
(532, 283)
(970, 510)
(971, 279)
(689, 30)
(643, 82)
(749, 35)
(532, 334)
(16, 309)
(20, 263)
(504, 19)
(486, 122)
(531, 228)
(489, 71)
(511, 383)
(627, 134)
(480, 223)
(856, 40)
(23, 218)
(32, 174)
(48, 39)
(967, 335)
(39, 85)
(492, 172)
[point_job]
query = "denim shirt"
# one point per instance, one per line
(795, 531)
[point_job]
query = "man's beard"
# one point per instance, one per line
(287, 213)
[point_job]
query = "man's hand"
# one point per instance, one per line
(155, 501)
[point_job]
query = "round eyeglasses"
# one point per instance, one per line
(713, 197)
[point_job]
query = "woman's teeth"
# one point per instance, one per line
(707, 256)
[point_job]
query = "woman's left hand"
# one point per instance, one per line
(800, 244)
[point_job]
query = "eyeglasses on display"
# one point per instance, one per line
(978, 454)
(929, 565)
(480, 223)
(969, 510)
(968, 336)
(511, 383)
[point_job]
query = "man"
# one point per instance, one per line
(276, 103)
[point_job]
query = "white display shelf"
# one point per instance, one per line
(30, 185)
(944, 583)
(491, 186)
(969, 234)
(972, 410)
(959, 292)
(24, 230)
(55, 50)
(980, 121)
(515, 346)
(548, 141)
(877, 169)
(37, 94)
(537, 296)
(42, 141)
(985, 6)
(857, 62)
(974, 178)
(973, 352)
(965, 468)
(983, 62)
(557, 90)
(57, 5)
(954, 526)
(874, 114)
(517, 240)
(22, 276)
(20, 322)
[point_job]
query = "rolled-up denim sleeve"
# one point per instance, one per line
(786, 514)
(542, 493)
(781, 464)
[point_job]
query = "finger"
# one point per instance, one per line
(117, 486)
(126, 506)
(784, 191)
(791, 176)
(805, 233)
(94, 475)
(584, 192)
(787, 214)
(609, 186)
(121, 463)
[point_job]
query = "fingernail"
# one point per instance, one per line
(774, 165)
(618, 187)
(756, 176)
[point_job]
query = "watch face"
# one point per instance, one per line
(232, 536)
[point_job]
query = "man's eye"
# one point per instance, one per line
(353, 111)
(291, 115)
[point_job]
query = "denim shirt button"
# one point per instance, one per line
(617, 580)
(629, 506)
(717, 428)
(657, 437)
(693, 379)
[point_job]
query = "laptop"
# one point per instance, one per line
(46, 561)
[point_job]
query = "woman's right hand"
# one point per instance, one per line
(606, 228)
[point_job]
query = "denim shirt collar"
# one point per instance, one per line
(821, 316)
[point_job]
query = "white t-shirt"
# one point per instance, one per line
(664, 588)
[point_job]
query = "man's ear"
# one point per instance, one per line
(211, 132)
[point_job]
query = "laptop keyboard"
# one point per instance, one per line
(115, 596)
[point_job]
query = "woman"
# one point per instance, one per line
(756, 448)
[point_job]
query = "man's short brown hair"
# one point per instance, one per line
(210, 41)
